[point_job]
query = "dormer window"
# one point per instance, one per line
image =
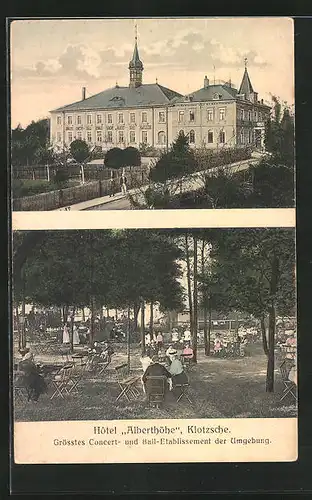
(216, 96)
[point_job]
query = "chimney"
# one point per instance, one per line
(206, 82)
(83, 93)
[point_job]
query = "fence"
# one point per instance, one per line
(53, 200)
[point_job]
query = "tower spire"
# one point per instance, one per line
(135, 65)
(245, 86)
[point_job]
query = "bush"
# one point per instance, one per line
(212, 158)
(61, 178)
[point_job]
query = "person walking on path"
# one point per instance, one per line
(123, 183)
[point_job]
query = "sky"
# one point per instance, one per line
(52, 59)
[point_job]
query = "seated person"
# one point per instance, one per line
(170, 353)
(33, 381)
(217, 345)
(145, 361)
(177, 372)
(155, 369)
(188, 352)
(159, 340)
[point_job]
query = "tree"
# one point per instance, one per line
(132, 156)
(114, 158)
(79, 150)
(257, 267)
(29, 145)
(177, 163)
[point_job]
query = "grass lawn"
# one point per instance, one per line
(219, 388)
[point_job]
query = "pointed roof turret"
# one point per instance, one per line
(135, 65)
(135, 61)
(246, 87)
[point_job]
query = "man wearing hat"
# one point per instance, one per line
(155, 369)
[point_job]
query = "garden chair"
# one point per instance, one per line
(289, 386)
(76, 377)
(156, 390)
(184, 387)
(103, 363)
(61, 380)
(20, 391)
(126, 383)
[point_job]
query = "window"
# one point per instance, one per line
(69, 120)
(242, 115)
(132, 136)
(109, 136)
(161, 116)
(181, 116)
(210, 115)
(89, 119)
(120, 118)
(109, 118)
(98, 119)
(79, 135)
(192, 116)
(210, 137)
(58, 137)
(144, 117)
(249, 115)
(250, 136)
(59, 120)
(144, 137)
(260, 116)
(222, 137)
(222, 114)
(89, 136)
(120, 136)
(161, 138)
(242, 137)
(78, 119)
(192, 137)
(256, 116)
(132, 117)
(99, 136)
(70, 137)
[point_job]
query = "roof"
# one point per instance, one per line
(246, 87)
(135, 61)
(207, 93)
(124, 97)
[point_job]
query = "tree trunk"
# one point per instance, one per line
(204, 300)
(18, 326)
(272, 325)
(189, 285)
(151, 318)
(91, 337)
(116, 315)
(195, 302)
(83, 315)
(264, 338)
(209, 326)
(136, 310)
(72, 318)
(128, 341)
(143, 326)
(23, 325)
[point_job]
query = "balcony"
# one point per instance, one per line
(145, 126)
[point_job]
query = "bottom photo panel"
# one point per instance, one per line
(154, 345)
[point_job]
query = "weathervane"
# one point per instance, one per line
(246, 61)
(136, 32)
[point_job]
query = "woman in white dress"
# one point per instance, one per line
(76, 339)
(66, 339)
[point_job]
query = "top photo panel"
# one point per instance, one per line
(130, 114)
